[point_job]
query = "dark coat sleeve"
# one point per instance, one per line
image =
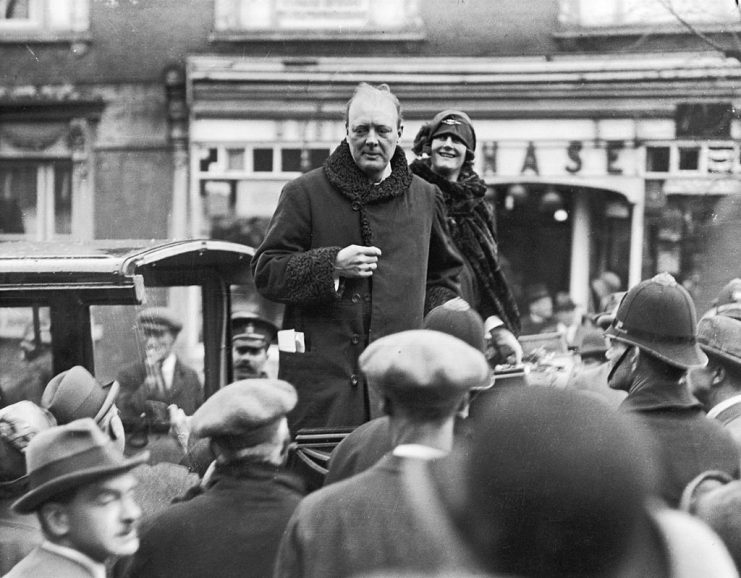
(445, 263)
(286, 268)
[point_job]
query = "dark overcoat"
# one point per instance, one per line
(686, 441)
(231, 530)
(364, 524)
(186, 391)
(320, 213)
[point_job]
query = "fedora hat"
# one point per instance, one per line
(68, 456)
(75, 393)
(158, 319)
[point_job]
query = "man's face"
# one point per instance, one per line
(620, 376)
(447, 153)
(700, 380)
(248, 358)
(158, 343)
(102, 518)
(372, 133)
(542, 307)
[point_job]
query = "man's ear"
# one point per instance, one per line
(719, 375)
(56, 519)
(400, 131)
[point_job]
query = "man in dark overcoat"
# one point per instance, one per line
(233, 527)
(366, 523)
(356, 250)
(653, 343)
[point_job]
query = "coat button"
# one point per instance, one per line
(355, 206)
(355, 339)
(367, 298)
(355, 298)
(354, 380)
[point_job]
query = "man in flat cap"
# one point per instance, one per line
(81, 488)
(233, 528)
(150, 385)
(251, 338)
(364, 523)
(368, 443)
(718, 384)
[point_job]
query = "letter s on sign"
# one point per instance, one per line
(573, 151)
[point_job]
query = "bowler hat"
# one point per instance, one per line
(244, 413)
(158, 319)
(75, 393)
(423, 368)
(593, 344)
(721, 336)
(68, 456)
(252, 329)
(457, 318)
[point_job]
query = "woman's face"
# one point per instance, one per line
(447, 154)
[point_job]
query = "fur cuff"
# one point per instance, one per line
(310, 276)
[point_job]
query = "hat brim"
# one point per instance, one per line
(682, 355)
(724, 355)
(109, 400)
(30, 501)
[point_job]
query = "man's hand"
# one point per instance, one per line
(357, 261)
(179, 426)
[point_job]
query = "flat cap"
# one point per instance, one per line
(245, 412)
(421, 366)
(158, 319)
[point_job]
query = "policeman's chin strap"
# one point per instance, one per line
(617, 364)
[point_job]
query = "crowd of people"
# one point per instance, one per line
(400, 324)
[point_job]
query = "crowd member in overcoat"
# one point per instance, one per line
(653, 343)
(81, 487)
(718, 384)
(19, 534)
(234, 526)
(445, 148)
(368, 443)
(357, 250)
(364, 523)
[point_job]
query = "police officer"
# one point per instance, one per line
(653, 342)
(251, 338)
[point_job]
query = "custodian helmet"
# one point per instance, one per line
(659, 317)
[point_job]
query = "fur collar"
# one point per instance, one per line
(352, 183)
(345, 175)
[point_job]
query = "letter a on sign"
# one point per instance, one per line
(531, 162)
